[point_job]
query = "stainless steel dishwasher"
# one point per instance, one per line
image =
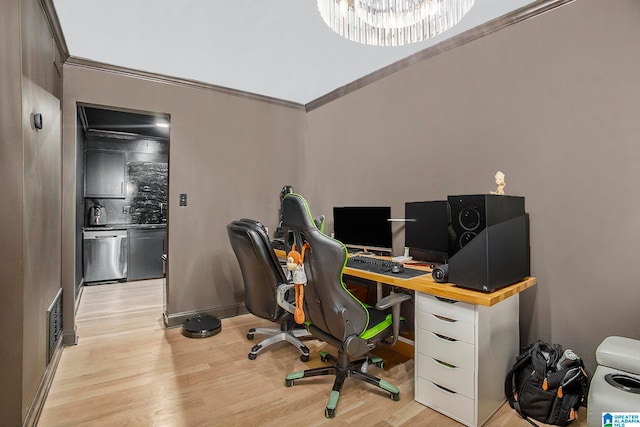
(105, 255)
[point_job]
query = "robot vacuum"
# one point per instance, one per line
(202, 326)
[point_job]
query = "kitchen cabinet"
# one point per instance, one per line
(146, 247)
(462, 354)
(105, 174)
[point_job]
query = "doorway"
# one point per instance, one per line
(122, 175)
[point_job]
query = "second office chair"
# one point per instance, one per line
(262, 275)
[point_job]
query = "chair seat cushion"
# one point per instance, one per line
(379, 321)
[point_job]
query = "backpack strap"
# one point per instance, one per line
(510, 382)
(584, 382)
(510, 386)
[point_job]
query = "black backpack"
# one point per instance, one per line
(536, 389)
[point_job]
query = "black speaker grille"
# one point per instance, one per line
(466, 238)
(469, 218)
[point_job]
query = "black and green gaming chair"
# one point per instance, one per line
(332, 313)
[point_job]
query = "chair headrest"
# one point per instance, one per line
(247, 226)
(254, 223)
(319, 222)
(296, 212)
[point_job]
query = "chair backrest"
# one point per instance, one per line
(260, 268)
(326, 299)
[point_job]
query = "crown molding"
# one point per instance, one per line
(56, 29)
(518, 15)
(161, 78)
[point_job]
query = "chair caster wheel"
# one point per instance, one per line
(249, 336)
(252, 356)
(288, 383)
(324, 357)
(304, 357)
(380, 365)
(329, 413)
(395, 397)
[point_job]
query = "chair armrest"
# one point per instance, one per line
(391, 299)
(281, 293)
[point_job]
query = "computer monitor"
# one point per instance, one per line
(363, 227)
(426, 232)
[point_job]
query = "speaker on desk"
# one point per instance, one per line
(440, 273)
(489, 241)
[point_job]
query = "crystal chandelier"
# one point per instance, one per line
(392, 22)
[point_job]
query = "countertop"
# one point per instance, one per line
(111, 227)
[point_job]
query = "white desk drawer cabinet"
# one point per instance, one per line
(463, 351)
(448, 376)
(445, 349)
(461, 311)
(457, 406)
(441, 325)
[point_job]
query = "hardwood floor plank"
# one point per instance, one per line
(128, 370)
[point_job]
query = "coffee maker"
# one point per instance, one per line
(97, 215)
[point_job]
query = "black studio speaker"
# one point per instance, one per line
(440, 273)
(489, 241)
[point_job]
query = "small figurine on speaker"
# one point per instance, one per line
(500, 183)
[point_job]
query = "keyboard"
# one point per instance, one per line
(374, 265)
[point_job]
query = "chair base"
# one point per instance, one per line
(343, 368)
(278, 335)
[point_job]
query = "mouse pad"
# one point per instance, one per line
(407, 273)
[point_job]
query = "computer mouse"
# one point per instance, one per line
(396, 269)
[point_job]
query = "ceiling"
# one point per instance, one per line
(273, 48)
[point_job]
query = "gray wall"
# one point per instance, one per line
(41, 93)
(11, 274)
(31, 208)
(231, 155)
(553, 103)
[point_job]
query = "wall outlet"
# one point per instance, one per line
(183, 199)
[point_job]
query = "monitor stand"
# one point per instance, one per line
(360, 252)
(364, 253)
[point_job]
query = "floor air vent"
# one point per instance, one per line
(54, 318)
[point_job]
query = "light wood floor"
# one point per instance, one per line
(128, 370)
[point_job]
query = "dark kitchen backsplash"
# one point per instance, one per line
(147, 179)
(148, 183)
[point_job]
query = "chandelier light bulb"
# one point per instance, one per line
(344, 7)
(392, 22)
(392, 13)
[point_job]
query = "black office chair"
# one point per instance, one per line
(262, 274)
(332, 313)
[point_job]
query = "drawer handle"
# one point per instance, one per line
(447, 300)
(444, 319)
(445, 389)
(442, 337)
(448, 365)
